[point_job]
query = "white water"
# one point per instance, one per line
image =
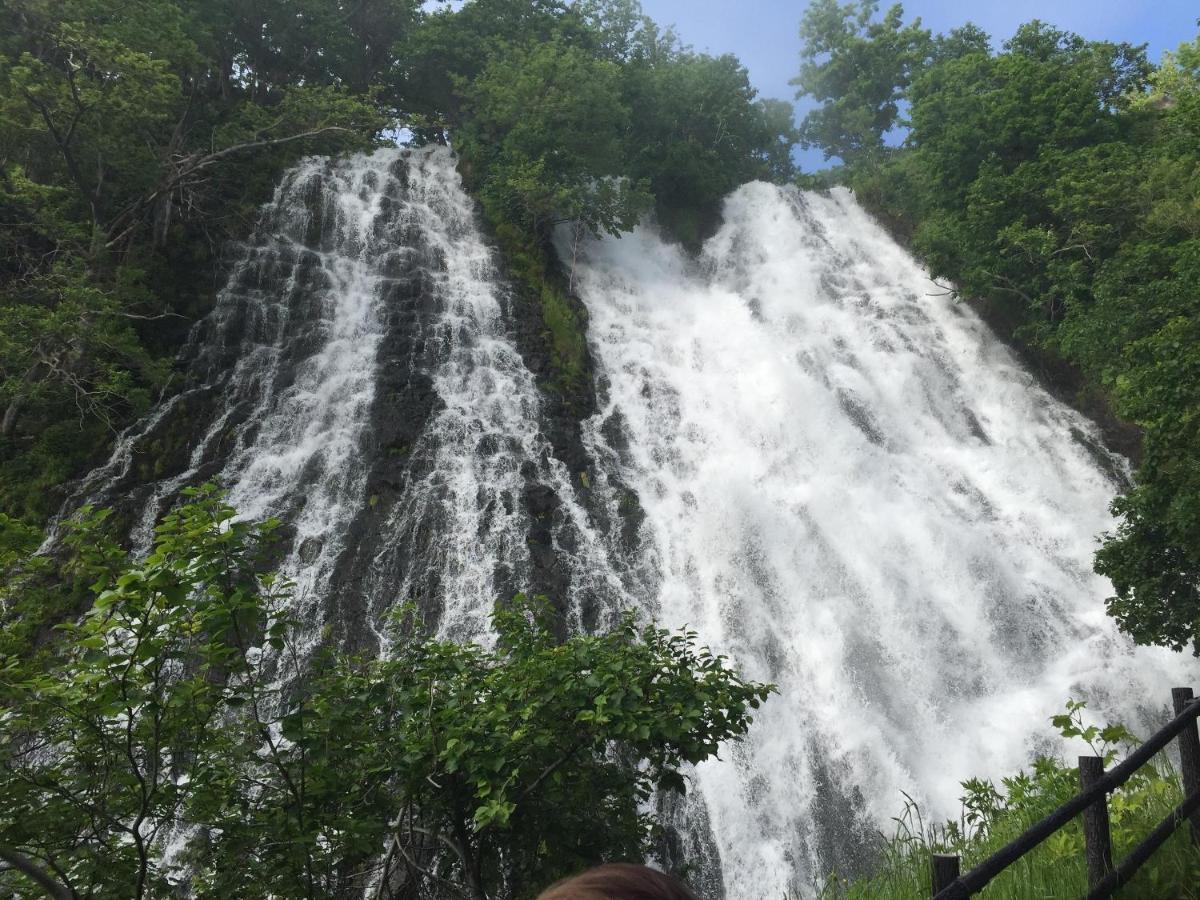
(849, 486)
(853, 490)
(292, 352)
(303, 451)
(300, 322)
(458, 536)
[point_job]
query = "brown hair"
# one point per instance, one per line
(618, 881)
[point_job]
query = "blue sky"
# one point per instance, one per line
(764, 33)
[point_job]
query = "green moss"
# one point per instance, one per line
(565, 326)
(568, 341)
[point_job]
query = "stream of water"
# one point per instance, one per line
(836, 476)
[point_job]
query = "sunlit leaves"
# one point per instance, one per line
(857, 67)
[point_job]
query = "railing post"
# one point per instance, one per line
(1189, 756)
(945, 870)
(1097, 839)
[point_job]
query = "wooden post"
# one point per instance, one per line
(1189, 756)
(1097, 840)
(945, 870)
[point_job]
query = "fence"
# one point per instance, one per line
(1092, 804)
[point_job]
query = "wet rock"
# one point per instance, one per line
(541, 500)
(310, 549)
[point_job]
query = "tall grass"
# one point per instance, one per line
(993, 816)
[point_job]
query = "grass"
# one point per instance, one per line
(993, 816)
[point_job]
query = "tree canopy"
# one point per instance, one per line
(857, 67)
(134, 140)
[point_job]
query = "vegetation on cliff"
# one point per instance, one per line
(134, 141)
(585, 115)
(1057, 180)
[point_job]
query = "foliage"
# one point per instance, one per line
(698, 132)
(107, 740)
(602, 110)
(546, 122)
(512, 757)
(593, 104)
(858, 68)
(993, 816)
(179, 731)
(1058, 181)
(133, 141)
(583, 117)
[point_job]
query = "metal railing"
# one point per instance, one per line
(1092, 804)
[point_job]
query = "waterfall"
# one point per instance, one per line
(359, 379)
(846, 485)
(482, 484)
(852, 489)
(281, 375)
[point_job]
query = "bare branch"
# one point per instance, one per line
(167, 315)
(36, 873)
(550, 770)
(417, 867)
(184, 169)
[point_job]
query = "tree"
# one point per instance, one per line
(1049, 91)
(71, 343)
(108, 740)
(1148, 302)
(126, 109)
(187, 709)
(580, 113)
(699, 129)
(858, 69)
(453, 46)
(135, 140)
(545, 125)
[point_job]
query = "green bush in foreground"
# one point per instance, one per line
(178, 732)
(992, 817)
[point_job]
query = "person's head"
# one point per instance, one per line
(618, 881)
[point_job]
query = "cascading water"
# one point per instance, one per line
(848, 487)
(482, 483)
(359, 380)
(283, 371)
(854, 491)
